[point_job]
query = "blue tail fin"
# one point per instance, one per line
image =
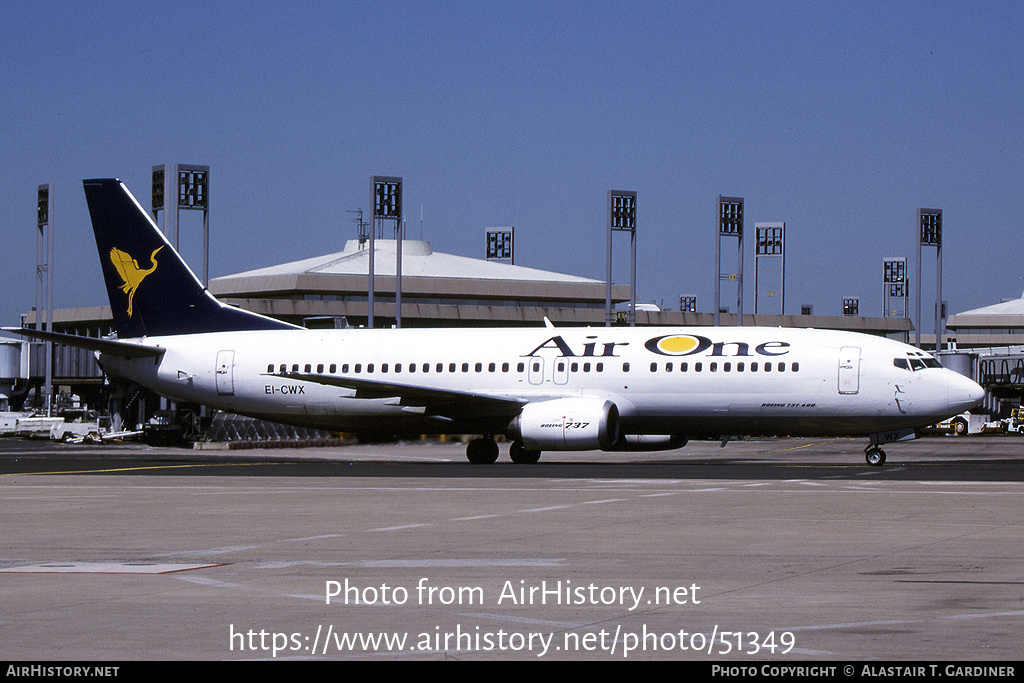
(152, 291)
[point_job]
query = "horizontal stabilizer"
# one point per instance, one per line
(110, 346)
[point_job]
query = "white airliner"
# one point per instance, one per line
(546, 388)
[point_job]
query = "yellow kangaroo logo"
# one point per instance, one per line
(128, 269)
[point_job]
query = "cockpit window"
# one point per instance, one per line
(916, 362)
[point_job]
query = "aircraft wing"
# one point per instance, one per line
(435, 401)
(111, 346)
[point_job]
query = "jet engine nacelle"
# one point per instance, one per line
(567, 424)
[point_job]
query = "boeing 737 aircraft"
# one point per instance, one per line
(546, 388)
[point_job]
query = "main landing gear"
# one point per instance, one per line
(484, 451)
(518, 452)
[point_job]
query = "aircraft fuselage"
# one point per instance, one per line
(694, 382)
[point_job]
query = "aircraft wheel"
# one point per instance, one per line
(875, 456)
(482, 451)
(519, 454)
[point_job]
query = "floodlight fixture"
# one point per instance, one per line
(43, 205)
(851, 305)
(387, 197)
(931, 227)
(500, 245)
(770, 239)
(688, 304)
(730, 216)
(193, 187)
(158, 189)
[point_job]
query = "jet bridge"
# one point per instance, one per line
(1000, 370)
(14, 373)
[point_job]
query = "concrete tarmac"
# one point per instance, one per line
(781, 551)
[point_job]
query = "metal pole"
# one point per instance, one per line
(400, 235)
(783, 310)
(172, 194)
(206, 235)
(632, 280)
(373, 231)
(49, 305)
(917, 290)
(608, 271)
(718, 259)
(938, 297)
(739, 284)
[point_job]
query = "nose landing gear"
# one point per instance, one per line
(874, 455)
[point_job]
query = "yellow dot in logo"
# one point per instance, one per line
(677, 344)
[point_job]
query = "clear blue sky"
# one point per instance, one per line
(840, 118)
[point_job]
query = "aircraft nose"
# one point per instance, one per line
(963, 392)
